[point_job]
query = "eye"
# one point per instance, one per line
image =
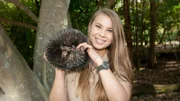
(98, 26)
(110, 30)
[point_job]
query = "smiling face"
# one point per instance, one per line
(101, 32)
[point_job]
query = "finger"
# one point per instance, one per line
(87, 46)
(80, 45)
(44, 56)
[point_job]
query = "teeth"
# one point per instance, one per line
(99, 41)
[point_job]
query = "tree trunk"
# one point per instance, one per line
(128, 27)
(53, 17)
(137, 59)
(142, 22)
(99, 3)
(17, 81)
(152, 54)
(110, 4)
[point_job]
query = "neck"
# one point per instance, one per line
(101, 52)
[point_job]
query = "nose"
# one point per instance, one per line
(102, 33)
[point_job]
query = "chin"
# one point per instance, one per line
(99, 47)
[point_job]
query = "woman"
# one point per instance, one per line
(109, 77)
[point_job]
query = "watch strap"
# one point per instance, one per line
(99, 68)
(104, 65)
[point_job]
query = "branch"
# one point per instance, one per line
(16, 23)
(25, 9)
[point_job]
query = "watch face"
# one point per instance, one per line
(105, 64)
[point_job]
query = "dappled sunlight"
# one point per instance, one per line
(168, 47)
(171, 66)
(162, 83)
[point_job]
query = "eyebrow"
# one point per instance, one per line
(102, 25)
(98, 23)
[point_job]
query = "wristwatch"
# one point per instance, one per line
(104, 65)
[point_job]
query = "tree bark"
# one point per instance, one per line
(17, 81)
(137, 60)
(152, 54)
(142, 22)
(53, 17)
(128, 27)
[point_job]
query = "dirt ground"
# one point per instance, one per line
(167, 73)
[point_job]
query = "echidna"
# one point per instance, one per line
(61, 50)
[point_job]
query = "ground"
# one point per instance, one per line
(160, 84)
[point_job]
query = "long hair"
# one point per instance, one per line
(119, 61)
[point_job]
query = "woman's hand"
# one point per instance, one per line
(44, 56)
(91, 52)
(56, 69)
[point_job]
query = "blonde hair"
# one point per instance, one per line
(118, 59)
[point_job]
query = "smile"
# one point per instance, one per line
(99, 41)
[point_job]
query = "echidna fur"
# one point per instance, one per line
(61, 50)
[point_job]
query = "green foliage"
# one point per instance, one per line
(168, 18)
(81, 12)
(23, 38)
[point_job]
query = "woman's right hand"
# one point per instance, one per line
(57, 70)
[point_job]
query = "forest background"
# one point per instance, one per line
(152, 29)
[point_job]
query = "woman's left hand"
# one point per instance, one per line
(92, 53)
